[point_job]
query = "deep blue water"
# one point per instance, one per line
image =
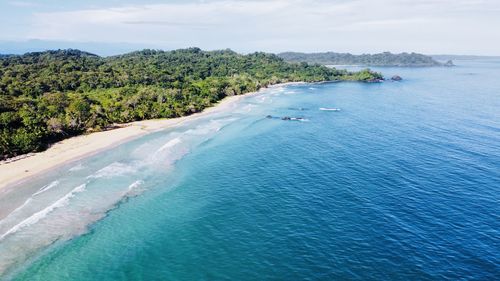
(403, 183)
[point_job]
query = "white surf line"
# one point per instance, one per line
(47, 187)
(22, 206)
(43, 189)
(36, 217)
(169, 144)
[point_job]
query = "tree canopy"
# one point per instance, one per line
(381, 59)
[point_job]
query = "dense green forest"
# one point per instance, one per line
(382, 59)
(52, 95)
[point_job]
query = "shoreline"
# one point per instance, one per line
(79, 147)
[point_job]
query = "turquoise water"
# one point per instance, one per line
(402, 183)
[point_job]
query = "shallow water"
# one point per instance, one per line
(402, 183)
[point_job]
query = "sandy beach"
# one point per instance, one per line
(17, 172)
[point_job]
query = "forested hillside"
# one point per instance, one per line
(48, 96)
(382, 59)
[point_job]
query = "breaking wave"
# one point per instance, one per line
(22, 206)
(114, 169)
(77, 168)
(47, 187)
(169, 144)
(36, 217)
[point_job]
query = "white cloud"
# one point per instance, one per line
(22, 4)
(432, 26)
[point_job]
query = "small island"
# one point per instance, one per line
(381, 59)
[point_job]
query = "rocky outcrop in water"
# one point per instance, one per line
(449, 63)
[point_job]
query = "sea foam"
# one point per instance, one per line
(46, 187)
(114, 169)
(169, 144)
(36, 217)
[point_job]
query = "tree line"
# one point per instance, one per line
(381, 59)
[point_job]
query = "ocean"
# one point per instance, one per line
(397, 181)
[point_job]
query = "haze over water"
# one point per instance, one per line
(402, 183)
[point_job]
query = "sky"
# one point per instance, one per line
(469, 27)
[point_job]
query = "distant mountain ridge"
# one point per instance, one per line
(381, 59)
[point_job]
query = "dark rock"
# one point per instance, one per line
(449, 63)
(396, 78)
